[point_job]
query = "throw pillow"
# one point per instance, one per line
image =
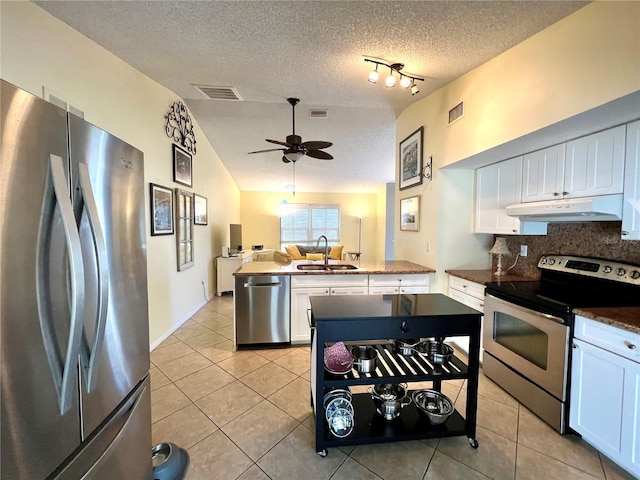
(294, 252)
(315, 256)
(336, 252)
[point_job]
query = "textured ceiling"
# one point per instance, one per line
(313, 50)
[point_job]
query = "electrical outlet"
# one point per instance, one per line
(523, 250)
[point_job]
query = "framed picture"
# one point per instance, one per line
(411, 160)
(182, 166)
(161, 210)
(184, 238)
(200, 204)
(410, 214)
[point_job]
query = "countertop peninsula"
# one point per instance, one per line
(364, 268)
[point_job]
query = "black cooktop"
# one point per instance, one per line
(558, 293)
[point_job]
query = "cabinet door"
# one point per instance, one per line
(543, 174)
(497, 186)
(594, 164)
(300, 331)
(631, 420)
(631, 203)
(597, 387)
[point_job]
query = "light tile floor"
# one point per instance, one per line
(246, 415)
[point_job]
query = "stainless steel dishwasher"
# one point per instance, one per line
(263, 310)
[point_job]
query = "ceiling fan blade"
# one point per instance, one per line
(278, 142)
(270, 150)
(319, 154)
(285, 159)
(315, 145)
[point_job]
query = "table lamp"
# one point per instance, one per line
(500, 248)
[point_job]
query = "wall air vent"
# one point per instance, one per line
(219, 92)
(456, 112)
(318, 113)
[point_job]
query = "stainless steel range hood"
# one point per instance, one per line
(585, 209)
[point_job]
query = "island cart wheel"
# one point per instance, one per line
(323, 453)
(473, 442)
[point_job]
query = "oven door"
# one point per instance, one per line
(533, 344)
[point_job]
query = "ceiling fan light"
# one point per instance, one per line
(390, 81)
(405, 82)
(373, 76)
(294, 156)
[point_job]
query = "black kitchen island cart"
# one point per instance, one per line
(378, 320)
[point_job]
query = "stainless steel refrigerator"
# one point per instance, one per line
(74, 334)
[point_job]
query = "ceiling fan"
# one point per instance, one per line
(295, 148)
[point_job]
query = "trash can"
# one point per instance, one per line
(170, 462)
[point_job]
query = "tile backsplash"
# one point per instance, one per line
(589, 239)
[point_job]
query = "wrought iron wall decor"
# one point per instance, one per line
(180, 128)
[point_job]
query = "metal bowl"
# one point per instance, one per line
(434, 405)
(333, 394)
(438, 353)
(341, 423)
(166, 461)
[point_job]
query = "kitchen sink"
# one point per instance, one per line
(318, 267)
(342, 267)
(310, 266)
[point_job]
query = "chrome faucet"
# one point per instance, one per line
(326, 249)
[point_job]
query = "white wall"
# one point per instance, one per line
(586, 60)
(38, 50)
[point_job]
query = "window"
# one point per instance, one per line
(302, 224)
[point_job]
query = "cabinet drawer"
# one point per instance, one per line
(470, 288)
(416, 289)
(383, 290)
(404, 280)
(310, 280)
(613, 339)
(349, 291)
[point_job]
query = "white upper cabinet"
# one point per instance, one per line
(497, 186)
(631, 202)
(594, 165)
(543, 174)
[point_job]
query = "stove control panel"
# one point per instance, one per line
(592, 267)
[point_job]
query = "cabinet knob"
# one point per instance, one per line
(625, 233)
(574, 345)
(564, 194)
(556, 194)
(404, 328)
(630, 345)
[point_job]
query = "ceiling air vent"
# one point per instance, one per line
(318, 113)
(219, 93)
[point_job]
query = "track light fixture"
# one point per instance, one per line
(406, 81)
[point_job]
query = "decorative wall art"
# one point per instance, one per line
(182, 167)
(179, 127)
(201, 215)
(410, 214)
(184, 220)
(161, 210)
(411, 160)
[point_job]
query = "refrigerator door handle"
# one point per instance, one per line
(91, 369)
(62, 371)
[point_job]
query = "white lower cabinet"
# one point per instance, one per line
(605, 391)
(472, 295)
(305, 286)
(389, 284)
(631, 199)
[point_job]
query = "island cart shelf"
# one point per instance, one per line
(378, 320)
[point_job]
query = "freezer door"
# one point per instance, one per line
(40, 286)
(108, 199)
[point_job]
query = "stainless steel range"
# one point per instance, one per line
(528, 327)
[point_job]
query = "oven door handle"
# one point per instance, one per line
(528, 310)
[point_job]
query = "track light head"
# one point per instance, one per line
(373, 76)
(391, 80)
(405, 82)
(414, 89)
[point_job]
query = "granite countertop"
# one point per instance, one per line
(627, 318)
(364, 268)
(485, 276)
